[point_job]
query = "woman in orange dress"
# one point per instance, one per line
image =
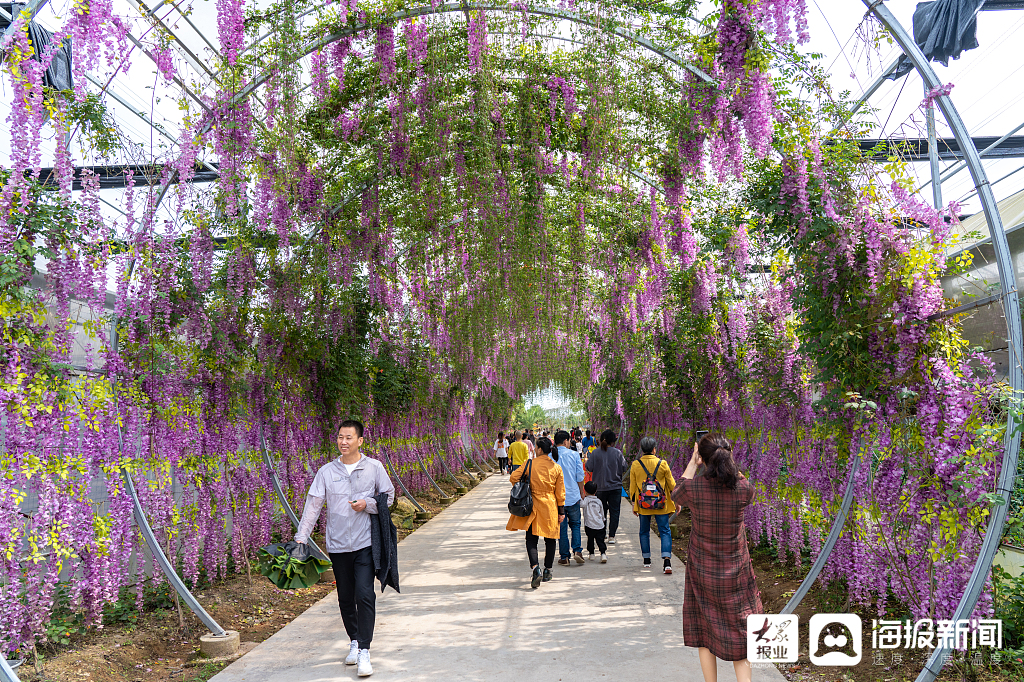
(548, 492)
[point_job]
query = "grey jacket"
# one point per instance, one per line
(347, 530)
(607, 466)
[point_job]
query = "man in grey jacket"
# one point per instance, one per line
(607, 466)
(349, 485)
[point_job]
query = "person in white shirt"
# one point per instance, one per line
(350, 484)
(501, 452)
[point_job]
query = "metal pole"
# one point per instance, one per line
(830, 542)
(430, 478)
(1011, 310)
(394, 473)
(7, 673)
(140, 515)
(281, 497)
(933, 154)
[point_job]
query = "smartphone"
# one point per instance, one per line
(701, 434)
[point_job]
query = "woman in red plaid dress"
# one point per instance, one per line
(720, 588)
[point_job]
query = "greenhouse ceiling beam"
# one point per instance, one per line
(984, 152)
(32, 8)
(551, 12)
(177, 79)
(872, 89)
(948, 148)
(190, 57)
(113, 176)
(1011, 309)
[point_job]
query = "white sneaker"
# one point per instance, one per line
(604, 558)
(365, 669)
(353, 653)
(611, 541)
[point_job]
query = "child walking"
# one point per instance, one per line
(593, 521)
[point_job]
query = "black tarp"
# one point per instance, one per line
(943, 29)
(58, 74)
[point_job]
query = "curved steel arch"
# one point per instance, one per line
(552, 12)
(427, 10)
(1011, 311)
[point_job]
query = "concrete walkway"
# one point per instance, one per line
(466, 612)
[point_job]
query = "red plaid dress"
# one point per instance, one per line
(720, 587)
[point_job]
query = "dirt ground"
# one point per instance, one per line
(155, 648)
(778, 581)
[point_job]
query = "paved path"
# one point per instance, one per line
(467, 612)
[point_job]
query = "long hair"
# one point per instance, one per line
(719, 466)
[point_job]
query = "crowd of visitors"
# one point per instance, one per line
(560, 487)
(719, 586)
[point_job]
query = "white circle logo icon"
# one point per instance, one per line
(835, 639)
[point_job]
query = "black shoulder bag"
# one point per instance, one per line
(520, 501)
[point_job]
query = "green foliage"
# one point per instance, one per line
(1008, 595)
(527, 417)
(288, 573)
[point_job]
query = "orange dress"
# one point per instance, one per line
(548, 491)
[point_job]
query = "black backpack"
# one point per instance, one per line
(520, 501)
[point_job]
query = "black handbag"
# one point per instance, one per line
(520, 501)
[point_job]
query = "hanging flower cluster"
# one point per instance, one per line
(425, 228)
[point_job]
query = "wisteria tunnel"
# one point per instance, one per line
(225, 226)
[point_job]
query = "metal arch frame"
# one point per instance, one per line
(279, 491)
(140, 515)
(17, 21)
(1011, 309)
(7, 673)
(430, 478)
(427, 10)
(401, 484)
(830, 542)
(551, 12)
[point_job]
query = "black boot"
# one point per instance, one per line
(535, 583)
(547, 574)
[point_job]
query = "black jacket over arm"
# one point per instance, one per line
(384, 537)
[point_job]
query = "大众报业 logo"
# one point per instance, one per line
(835, 639)
(772, 638)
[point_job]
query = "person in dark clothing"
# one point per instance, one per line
(607, 465)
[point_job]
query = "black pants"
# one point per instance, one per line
(611, 499)
(503, 463)
(595, 535)
(353, 572)
(531, 549)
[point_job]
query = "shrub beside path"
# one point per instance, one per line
(467, 612)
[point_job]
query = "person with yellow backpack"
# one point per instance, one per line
(650, 488)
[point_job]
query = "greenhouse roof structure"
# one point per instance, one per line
(226, 225)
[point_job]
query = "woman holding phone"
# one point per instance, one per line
(720, 590)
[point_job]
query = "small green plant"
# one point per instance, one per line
(1009, 606)
(65, 621)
